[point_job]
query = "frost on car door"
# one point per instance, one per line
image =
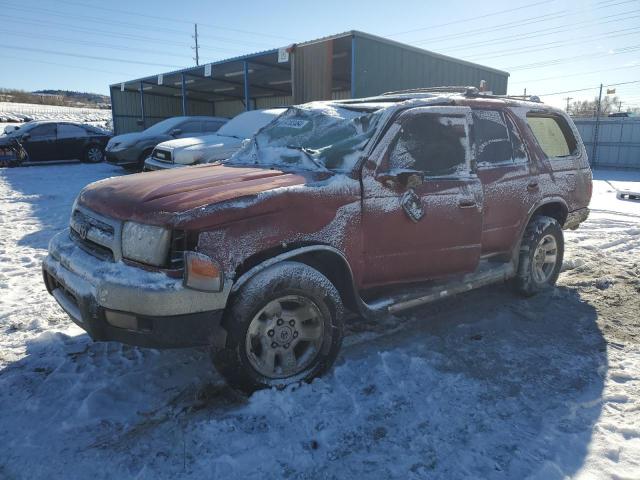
(509, 180)
(422, 209)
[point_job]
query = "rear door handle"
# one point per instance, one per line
(467, 203)
(533, 185)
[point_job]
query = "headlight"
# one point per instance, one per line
(145, 243)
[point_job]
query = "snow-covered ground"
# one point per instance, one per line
(16, 113)
(485, 385)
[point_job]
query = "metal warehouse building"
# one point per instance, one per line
(348, 65)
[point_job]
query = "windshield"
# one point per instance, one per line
(18, 130)
(164, 126)
(313, 136)
(247, 124)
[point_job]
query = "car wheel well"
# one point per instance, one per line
(555, 210)
(331, 264)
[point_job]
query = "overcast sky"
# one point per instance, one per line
(547, 46)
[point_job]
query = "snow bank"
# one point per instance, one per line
(484, 385)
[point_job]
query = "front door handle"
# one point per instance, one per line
(467, 203)
(532, 185)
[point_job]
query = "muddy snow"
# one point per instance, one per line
(485, 385)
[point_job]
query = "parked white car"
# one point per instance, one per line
(210, 148)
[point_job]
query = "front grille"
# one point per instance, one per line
(93, 235)
(94, 249)
(178, 247)
(162, 155)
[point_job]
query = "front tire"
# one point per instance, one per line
(541, 254)
(284, 326)
(94, 154)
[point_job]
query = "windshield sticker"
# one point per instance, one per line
(293, 123)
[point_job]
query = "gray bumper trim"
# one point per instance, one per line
(117, 286)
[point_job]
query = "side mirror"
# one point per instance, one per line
(175, 132)
(404, 178)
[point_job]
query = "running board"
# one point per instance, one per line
(491, 273)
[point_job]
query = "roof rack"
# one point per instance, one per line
(455, 89)
(466, 91)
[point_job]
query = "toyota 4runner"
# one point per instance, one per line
(371, 206)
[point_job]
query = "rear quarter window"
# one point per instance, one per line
(553, 135)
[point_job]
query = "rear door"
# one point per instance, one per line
(72, 140)
(422, 205)
(41, 144)
(509, 180)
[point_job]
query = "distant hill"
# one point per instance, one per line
(56, 97)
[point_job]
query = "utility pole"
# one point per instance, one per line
(195, 37)
(524, 97)
(567, 99)
(595, 130)
(619, 105)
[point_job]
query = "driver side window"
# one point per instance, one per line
(432, 143)
(43, 132)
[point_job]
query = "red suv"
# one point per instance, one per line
(372, 205)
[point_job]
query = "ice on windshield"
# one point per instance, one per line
(314, 136)
(247, 124)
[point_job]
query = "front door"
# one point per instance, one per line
(422, 205)
(41, 143)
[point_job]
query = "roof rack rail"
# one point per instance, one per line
(466, 91)
(455, 89)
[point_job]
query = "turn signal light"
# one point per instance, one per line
(202, 272)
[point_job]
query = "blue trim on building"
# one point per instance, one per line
(353, 66)
(184, 95)
(247, 100)
(144, 118)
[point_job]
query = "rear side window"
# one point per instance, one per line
(212, 126)
(553, 135)
(66, 130)
(493, 144)
(432, 143)
(191, 127)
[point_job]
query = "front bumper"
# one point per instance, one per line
(123, 158)
(159, 311)
(151, 164)
(575, 218)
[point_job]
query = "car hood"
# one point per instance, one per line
(127, 138)
(163, 197)
(197, 142)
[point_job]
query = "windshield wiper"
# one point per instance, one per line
(309, 154)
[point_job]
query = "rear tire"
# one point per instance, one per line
(146, 154)
(284, 326)
(541, 254)
(94, 154)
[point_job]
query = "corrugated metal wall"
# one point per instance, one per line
(382, 67)
(127, 109)
(618, 141)
(313, 71)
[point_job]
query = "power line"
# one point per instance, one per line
(629, 49)
(92, 57)
(95, 44)
(89, 69)
(575, 74)
(545, 31)
(516, 23)
(586, 89)
(469, 19)
(168, 19)
(561, 43)
(110, 33)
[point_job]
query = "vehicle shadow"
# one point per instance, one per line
(49, 194)
(484, 385)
